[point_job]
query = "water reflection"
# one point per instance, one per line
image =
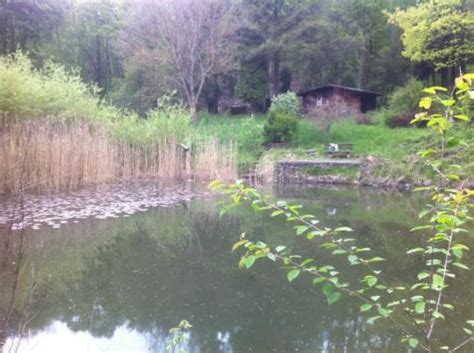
(118, 285)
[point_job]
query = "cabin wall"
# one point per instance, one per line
(336, 102)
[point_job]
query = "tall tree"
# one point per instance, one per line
(26, 24)
(191, 39)
(95, 26)
(266, 29)
(438, 32)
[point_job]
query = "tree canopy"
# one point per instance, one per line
(211, 50)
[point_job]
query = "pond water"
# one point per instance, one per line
(113, 269)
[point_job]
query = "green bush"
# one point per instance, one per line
(403, 104)
(286, 103)
(282, 120)
(29, 93)
(280, 127)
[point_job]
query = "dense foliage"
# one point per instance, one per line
(259, 48)
(438, 32)
(282, 118)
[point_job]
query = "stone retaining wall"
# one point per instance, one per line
(291, 171)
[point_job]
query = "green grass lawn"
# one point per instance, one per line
(397, 145)
(376, 139)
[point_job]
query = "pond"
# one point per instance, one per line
(113, 269)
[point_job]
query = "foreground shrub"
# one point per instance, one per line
(279, 127)
(282, 118)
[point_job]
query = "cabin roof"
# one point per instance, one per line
(330, 85)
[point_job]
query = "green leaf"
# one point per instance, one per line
(301, 229)
(425, 103)
(353, 259)
(423, 275)
(415, 250)
(429, 90)
(448, 306)
(413, 342)
(439, 88)
(250, 260)
(271, 256)
(438, 315)
(293, 274)
(365, 307)
(421, 228)
(334, 297)
(438, 282)
(457, 252)
(280, 248)
(343, 229)
(371, 280)
(328, 289)
(239, 244)
(460, 265)
(384, 312)
(420, 307)
(372, 319)
(318, 280)
(461, 117)
(448, 102)
(376, 259)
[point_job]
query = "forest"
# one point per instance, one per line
(256, 50)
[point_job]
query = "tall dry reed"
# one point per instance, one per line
(60, 156)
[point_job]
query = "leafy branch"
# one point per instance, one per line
(416, 310)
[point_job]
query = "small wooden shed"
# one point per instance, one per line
(340, 98)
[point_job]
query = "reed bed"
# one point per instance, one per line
(48, 155)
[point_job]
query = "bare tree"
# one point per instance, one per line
(190, 39)
(324, 116)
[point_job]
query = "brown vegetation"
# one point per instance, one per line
(53, 156)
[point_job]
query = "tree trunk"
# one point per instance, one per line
(194, 113)
(98, 73)
(445, 76)
(362, 73)
(273, 75)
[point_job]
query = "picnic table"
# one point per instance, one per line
(339, 150)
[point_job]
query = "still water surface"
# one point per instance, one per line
(111, 270)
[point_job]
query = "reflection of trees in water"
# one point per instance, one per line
(16, 310)
(152, 270)
(175, 264)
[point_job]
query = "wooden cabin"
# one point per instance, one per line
(341, 99)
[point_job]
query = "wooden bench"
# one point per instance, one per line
(339, 150)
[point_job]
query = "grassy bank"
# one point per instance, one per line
(391, 152)
(244, 131)
(56, 134)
